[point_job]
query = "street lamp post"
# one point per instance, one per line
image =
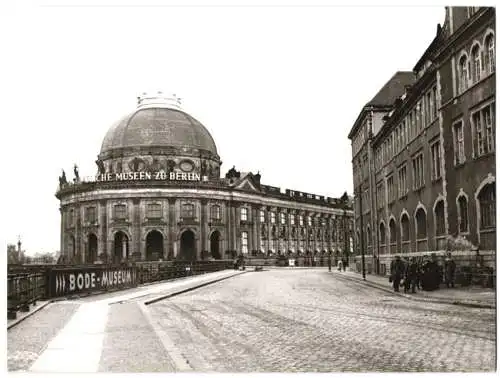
(362, 234)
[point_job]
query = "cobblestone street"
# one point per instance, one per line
(305, 321)
(272, 321)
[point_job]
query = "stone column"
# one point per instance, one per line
(62, 234)
(172, 247)
(204, 225)
(135, 244)
(256, 227)
(103, 229)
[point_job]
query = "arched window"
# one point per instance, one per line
(382, 233)
(463, 214)
(439, 218)
(405, 228)
(392, 231)
(462, 73)
(476, 64)
(490, 53)
(421, 222)
(487, 206)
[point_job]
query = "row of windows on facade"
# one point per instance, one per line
(478, 63)
(419, 117)
(487, 218)
(273, 245)
(302, 232)
(483, 142)
(425, 111)
(154, 211)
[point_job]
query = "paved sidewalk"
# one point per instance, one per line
(467, 296)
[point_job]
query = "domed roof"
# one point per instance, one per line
(158, 121)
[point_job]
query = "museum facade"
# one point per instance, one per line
(158, 195)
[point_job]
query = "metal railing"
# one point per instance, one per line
(166, 270)
(24, 290)
(27, 284)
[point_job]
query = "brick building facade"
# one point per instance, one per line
(424, 150)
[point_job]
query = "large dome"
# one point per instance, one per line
(158, 121)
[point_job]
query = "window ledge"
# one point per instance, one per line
(484, 156)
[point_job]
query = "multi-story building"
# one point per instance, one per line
(158, 194)
(431, 161)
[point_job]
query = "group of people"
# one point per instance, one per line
(341, 263)
(423, 274)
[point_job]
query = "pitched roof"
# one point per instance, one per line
(393, 89)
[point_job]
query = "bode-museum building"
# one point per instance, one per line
(158, 195)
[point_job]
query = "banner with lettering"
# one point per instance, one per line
(86, 280)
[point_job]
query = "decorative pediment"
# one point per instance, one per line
(247, 182)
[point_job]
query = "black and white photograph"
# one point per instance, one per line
(249, 187)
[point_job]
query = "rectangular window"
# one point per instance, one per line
(120, 212)
(483, 132)
(418, 171)
(187, 211)
(71, 218)
(215, 212)
(292, 219)
(90, 214)
(458, 142)
(244, 242)
(390, 189)
(309, 221)
(244, 214)
(262, 215)
(488, 114)
(402, 181)
(380, 195)
(434, 104)
(273, 217)
(301, 220)
(282, 218)
(477, 134)
(436, 160)
(153, 211)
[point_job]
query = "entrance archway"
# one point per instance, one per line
(154, 245)
(121, 250)
(215, 245)
(91, 248)
(188, 246)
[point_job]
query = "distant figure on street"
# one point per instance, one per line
(449, 271)
(340, 265)
(397, 272)
(344, 264)
(411, 275)
(330, 262)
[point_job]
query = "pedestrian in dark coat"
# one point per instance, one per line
(330, 262)
(397, 272)
(449, 271)
(411, 275)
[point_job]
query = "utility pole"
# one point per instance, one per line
(362, 233)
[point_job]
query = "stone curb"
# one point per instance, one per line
(419, 299)
(27, 315)
(175, 293)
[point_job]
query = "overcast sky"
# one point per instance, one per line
(278, 89)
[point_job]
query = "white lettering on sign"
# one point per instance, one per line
(85, 281)
(116, 278)
(142, 176)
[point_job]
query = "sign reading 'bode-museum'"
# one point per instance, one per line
(69, 281)
(139, 176)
